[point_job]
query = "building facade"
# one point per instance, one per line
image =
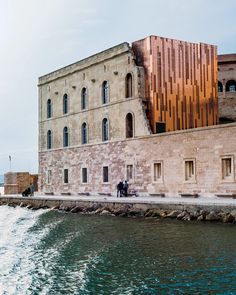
(227, 87)
(98, 118)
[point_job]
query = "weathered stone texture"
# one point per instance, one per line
(227, 99)
(205, 145)
(17, 182)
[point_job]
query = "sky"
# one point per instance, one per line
(40, 36)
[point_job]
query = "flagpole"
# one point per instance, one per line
(10, 162)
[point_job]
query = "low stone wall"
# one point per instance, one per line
(186, 212)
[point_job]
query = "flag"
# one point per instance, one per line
(9, 158)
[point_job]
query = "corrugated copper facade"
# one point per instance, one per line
(181, 82)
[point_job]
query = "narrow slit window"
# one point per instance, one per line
(189, 170)
(84, 175)
(157, 172)
(105, 174)
(66, 176)
(129, 172)
(227, 171)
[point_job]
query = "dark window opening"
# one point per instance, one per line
(84, 98)
(105, 174)
(65, 104)
(65, 137)
(49, 139)
(160, 127)
(84, 133)
(66, 176)
(105, 92)
(105, 135)
(84, 175)
(128, 86)
(220, 87)
(129, 126)
(231, 86)
(49, 108)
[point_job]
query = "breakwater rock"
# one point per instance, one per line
(133, 210)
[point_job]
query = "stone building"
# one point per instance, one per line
(227, 87)
(17, 182)
(98, 120)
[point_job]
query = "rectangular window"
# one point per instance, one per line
(84, 175)
(157, 171)
(49, 176)
(66, 176)
(227, 168)
(129, 172)
(189, 170)
(105, 174)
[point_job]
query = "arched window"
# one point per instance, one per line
(128, 86)
(65, 103)
(129, 126)
(220, 86)
(65, 137)
(49, 108)
(105, 131)
(84, 133)
(105, 92)
(84, 98)
(49, 139)
(231, 86)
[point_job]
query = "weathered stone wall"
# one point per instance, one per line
(17, 182)
(205, 146)
(227, 99)
(112, 66)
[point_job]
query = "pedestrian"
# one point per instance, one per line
(119, 189)
(31, 189)
(125, 188)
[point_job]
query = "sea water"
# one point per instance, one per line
(49, 252)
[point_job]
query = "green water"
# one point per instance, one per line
(47, 252)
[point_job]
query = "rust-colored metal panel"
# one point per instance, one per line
(181, 82)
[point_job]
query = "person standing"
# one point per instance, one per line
(125, 188)
(31, 189)
(119, 189)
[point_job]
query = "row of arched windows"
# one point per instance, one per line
(84, 132)
(230, 86)
(84, 96)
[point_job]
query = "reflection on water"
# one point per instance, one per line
(47, 252)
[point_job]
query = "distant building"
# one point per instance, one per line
(109, 117)
(227, 87)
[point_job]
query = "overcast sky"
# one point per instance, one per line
(39, 36)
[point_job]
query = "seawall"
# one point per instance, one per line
(182, 209)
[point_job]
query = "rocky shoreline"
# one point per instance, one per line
(129, 210)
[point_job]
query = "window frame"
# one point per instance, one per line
(82, 178)
(161, 179)
(105, 139)
(226, 178)
(49, 108)
(86, 133)
(108, 175)
(193, 178)
(65, 104)
(49, 139)
(105, 92)
(65, 137)
(65, 177)
(84, 98)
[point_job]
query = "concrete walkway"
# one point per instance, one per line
(135, 200)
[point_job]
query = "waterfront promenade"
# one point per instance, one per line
(174, 201)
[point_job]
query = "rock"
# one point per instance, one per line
(29, 206)
(212, 216)
(124, 214)
(134, 213)
(105, 212)
(156, 212)
(22, 204)
(228, 218)
(163, 214)
(194, 215)
(233, 213)
(203, 212)
(76, 209)
(187, 217)
(98, 211)
(12, 205)
(173, 214)
(148, 213)
(55, 207)
(181, 215)
(201, 218)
